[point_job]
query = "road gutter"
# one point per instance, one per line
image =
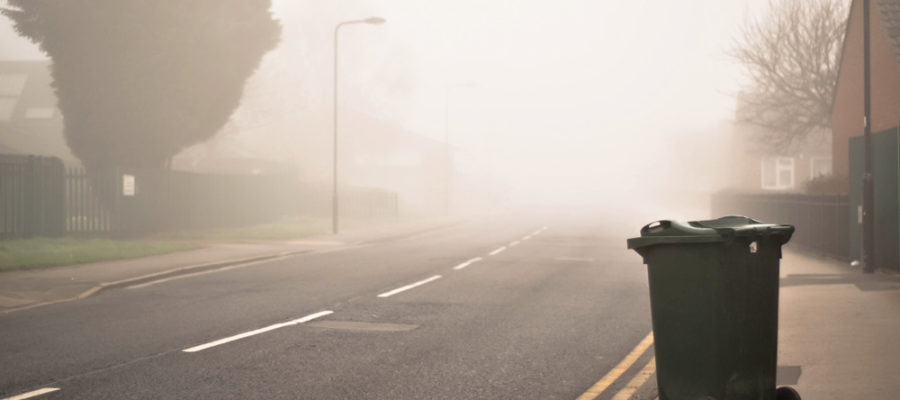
(158, 276)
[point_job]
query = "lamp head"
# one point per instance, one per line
(375, 20)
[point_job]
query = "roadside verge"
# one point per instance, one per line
(27, 289)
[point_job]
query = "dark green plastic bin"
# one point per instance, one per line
(714, 305)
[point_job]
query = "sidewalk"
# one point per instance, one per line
(838, 332)
(36, 287)
(839, 329)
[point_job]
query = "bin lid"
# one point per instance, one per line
(708, 231)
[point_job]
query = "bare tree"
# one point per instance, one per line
(791, 57)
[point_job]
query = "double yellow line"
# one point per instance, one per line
(635, 383)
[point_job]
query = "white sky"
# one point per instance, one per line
(571, 94)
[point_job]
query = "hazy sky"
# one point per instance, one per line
(570, 92)
(572, 95)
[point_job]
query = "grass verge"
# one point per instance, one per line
(283, 229)
(286, 229)
(47, 252)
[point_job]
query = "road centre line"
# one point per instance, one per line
(33, 393)
(514, 243)
(618, 370)
(408, 287)
(498, 251)
(635, 383)
(467, 263)
(533, 234)
(257, 331)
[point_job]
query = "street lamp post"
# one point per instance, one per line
(334, 196)
(449, 88)
(868, 195)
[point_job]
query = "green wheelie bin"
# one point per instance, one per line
(714, 307)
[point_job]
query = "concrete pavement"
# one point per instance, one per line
(25, 289)
(838, 330)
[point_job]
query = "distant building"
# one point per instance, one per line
(847, 114)
(759, 166)
(381, 154)
(30, 122)
(375, 153)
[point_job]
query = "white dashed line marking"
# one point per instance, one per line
(258, 331)
(498, 251)
(514, 243)
(410, 286)
(467, 263)
(33, 393)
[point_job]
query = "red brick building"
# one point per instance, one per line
(847, 114)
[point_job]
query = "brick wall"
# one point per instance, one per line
(847, 117)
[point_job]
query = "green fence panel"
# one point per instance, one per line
(886, 168)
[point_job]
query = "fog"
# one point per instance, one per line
(611, 107)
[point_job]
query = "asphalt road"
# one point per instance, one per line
(546, 318)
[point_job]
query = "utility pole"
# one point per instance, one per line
(334, 182)
(868, 195)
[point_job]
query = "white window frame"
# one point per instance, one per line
(778, 169)
(812, 166)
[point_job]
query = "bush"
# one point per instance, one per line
(828, 184)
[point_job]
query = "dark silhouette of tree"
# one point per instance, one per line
(791, 57)
(138, 80)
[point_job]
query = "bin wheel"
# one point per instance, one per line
(786, 393)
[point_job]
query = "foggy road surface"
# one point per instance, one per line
(506, 309)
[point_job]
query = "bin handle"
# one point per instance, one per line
(656, 226)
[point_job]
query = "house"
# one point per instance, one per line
(30, 122)
(375, 153)
(378, 153)
(847, 114)
(848, 121)
(757, 165)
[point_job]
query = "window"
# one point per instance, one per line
(777, 173)
(819, 166)
(12, 84)
(39, 113)
(7, 106)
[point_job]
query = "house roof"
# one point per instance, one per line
(30, 123)
(36, 90)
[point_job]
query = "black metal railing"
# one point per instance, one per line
(40, 197)
(31, 196)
